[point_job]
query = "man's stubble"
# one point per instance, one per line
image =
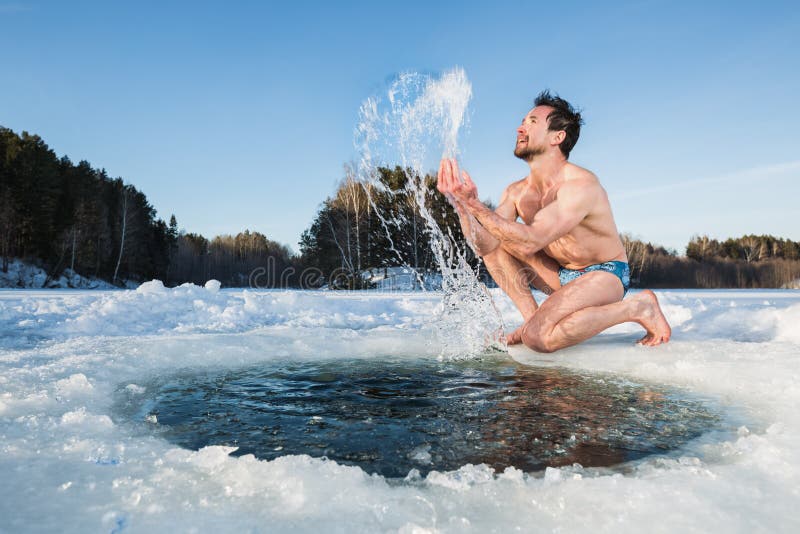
(528, 153)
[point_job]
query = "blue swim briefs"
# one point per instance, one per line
(618, 268)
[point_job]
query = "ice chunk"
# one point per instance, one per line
(552, 474)
(213, 286)
(151, 287)
(421, 454)
(135, 389)
(82, 417)
(75, 384)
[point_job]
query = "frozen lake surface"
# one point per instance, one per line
(117, 414)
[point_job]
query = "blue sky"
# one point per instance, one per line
(241, 114)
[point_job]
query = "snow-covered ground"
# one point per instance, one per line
(402, 279)
(24, 275)
(69, 464)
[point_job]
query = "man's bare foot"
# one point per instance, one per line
(650, 316)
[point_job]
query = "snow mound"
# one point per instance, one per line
(155, 309)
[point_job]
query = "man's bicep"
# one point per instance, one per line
(560, 217)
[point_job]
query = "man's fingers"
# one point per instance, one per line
(454, 170)
(452, 180)
(468, 183)
(440, 182)
(451, 173)
(447, 179)
(467, 179)
(515, 337)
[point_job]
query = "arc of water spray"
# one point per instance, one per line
(424, 111)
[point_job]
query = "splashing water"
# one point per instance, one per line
(417, 123)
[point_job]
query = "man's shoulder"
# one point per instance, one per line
(580, 185)
(515, 188)
(580, 175)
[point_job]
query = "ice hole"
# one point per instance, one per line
(391, 416)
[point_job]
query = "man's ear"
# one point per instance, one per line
(559, 137)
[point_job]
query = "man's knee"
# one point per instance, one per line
(490, 255)
(535, 337)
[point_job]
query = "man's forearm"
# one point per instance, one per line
(515, 237)
(481, 241)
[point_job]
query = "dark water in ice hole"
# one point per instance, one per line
(389, 417)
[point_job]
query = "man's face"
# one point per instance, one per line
(532, 134)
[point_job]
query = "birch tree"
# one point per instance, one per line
(126, 214)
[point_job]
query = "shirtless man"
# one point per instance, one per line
(566, 244)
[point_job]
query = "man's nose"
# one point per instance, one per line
(520, 130)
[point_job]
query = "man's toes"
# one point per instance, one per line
(658, 340)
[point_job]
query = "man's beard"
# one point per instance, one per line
(528, 153)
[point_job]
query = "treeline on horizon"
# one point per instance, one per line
(59, 215)
(751, 261)
(348, 237)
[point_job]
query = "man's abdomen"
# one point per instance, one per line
(577, 252)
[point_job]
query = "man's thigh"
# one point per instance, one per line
(541, 272)
(596, 288)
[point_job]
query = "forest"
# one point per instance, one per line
(58, 215)
(61, 216)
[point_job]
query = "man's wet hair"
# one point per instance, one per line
(563, 117)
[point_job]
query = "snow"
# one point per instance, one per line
(794, 284)
(213, 285)
(24, 275)
(401, 279)
(67, 464)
